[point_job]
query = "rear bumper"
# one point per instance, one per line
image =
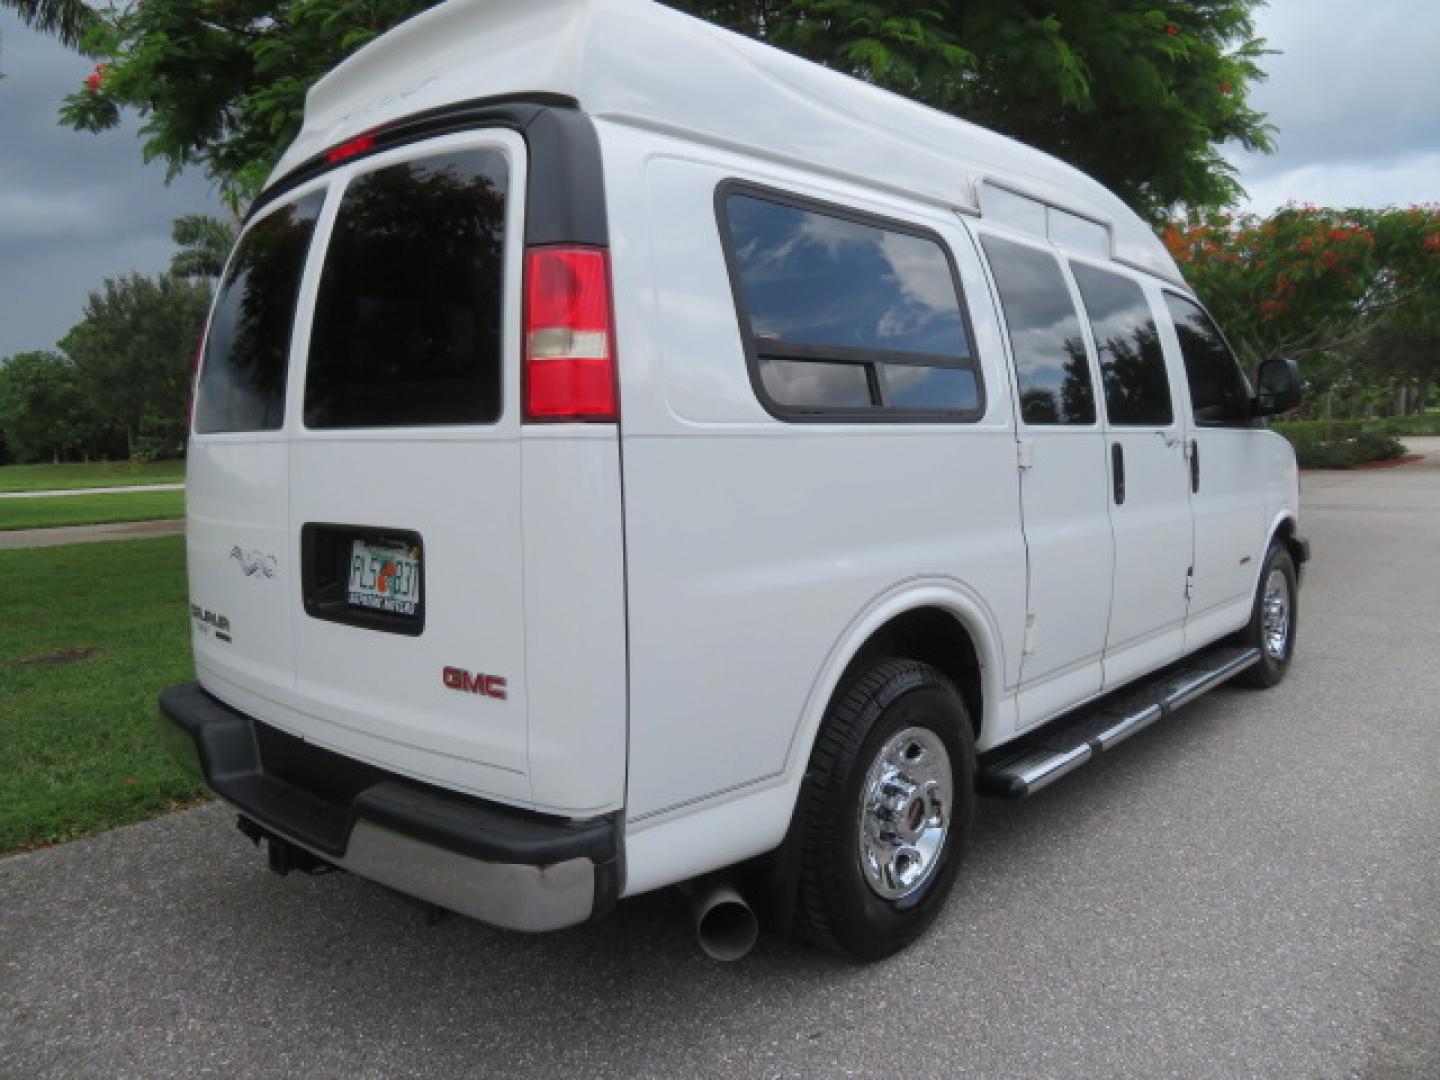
(506, 867)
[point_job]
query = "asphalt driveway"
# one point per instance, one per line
(1251, 889)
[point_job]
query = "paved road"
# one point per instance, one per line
(90, 491)
(88, 534)
(1252, 889)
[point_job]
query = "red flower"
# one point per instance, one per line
(1224, 88)
(1172, 30)
(96, 78)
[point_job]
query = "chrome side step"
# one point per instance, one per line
(1062, 746)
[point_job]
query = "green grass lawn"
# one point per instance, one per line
(94, 474)
(53, 510)
(91, 633)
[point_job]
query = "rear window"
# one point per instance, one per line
(407, 327)
(843, 313)
(247, 349)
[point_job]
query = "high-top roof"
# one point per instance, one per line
(639, 63)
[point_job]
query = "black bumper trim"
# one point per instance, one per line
(234, 751)
(1300, 549)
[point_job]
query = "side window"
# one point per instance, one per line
(1049, 349)
(407, 320)
(247, 349)
(1219, 393)
(844, 314)
(1132, 363)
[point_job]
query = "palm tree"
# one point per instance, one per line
(67, 20)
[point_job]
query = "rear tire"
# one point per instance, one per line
(886, 807)
(1272, 620)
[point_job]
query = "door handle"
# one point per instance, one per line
(1194, 466)
(1117, 472)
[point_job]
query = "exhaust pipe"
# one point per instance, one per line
(725, 925)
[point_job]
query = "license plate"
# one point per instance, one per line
(385, 577)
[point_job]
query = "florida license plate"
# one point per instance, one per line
(385, 577)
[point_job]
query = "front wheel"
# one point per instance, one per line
(1272, 622)
(888, 802)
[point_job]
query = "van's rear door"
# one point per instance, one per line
(405, 468)
(385, 619)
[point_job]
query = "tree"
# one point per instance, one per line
(204, 243)
(42, 412)
(1138, 93)
(1354, 294)
(68, 20)
(134, 352)
(1309, 279)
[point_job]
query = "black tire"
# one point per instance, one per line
(1273, 664)
(837, 907)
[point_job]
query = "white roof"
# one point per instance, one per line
(640, 63)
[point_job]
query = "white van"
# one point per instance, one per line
(624, 451)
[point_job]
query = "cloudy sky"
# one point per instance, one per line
(1355, 92)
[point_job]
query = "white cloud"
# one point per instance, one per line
(1353, 93)
(1402, 181)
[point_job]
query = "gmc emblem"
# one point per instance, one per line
(473, 683)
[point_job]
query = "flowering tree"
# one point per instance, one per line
(1355, 294)
(1309, 279)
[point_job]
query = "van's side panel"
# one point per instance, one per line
(744, 566)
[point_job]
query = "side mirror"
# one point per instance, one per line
(1279, 388)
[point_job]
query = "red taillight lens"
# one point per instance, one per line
(569, 343)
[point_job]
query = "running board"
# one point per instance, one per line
(1039, 759)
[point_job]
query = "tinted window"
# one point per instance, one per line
(1045, 337)
(910, 386)
(247, 349)
(799, 384)
(810, 278)
(407, 321)
(1219, 394)
(827, 299)
(1132, 364)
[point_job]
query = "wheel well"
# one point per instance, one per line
(935, 637)
(1285, 531)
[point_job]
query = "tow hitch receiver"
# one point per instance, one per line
(283, 855)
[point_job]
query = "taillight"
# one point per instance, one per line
(569, 342)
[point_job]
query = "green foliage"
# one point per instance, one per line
(134, 351)
(1138, 93)
(1310, 280)
(221, 83)
(1343, 444)
(43, 413)
(92, 633)
(204, 244)
(1353, 294)
(68, 20)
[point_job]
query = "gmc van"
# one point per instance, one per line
(625, 453)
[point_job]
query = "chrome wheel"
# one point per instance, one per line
(1275, 617)
(905, 809)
